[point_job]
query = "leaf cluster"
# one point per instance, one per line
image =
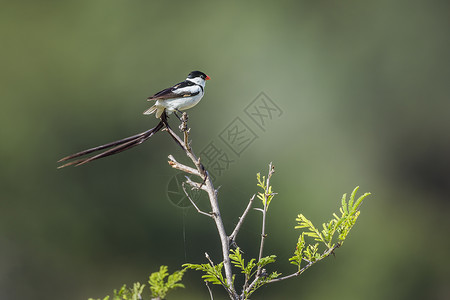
(134, 293)
(331, 236)
(327, 236)
(213, 273)
(267, 195)
(158, 286)
(249, 270)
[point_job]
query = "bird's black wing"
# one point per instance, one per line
(176, 91)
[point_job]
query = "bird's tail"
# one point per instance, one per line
(115, 147)
(159, 111)
(150, 110)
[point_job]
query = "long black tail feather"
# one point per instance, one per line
(117, 146)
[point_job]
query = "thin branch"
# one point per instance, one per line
(181, 167)
(195, 185)
(249, 288)
(207, 186)
(271, 171)
(230, 292)
(233, 235)
(193, 203)
(209, 259)
(310, 263)
(293, 274)
(185, 130)
(264, 212)
(209, 290)
(188, 151)
(263, 237)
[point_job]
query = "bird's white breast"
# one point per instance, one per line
(182, 103)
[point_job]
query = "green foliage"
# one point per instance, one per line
(260, 281)
(213, 273)
(313, 232)
(158, 287)
(331, 236)
(267, 195)
(238, 261)
(249, 270)
(255, 275)
(125, 293)
(298, 253)
(342, 225)
(106, 298)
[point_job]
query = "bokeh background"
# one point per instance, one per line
(364, 89)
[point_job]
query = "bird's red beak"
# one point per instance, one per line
(207, 77)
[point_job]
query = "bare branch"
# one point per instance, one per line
(185, 130)
(209, 290)
(193, 203)
(194, 184)
(181, 167)
(207, 186)
(233, 235)
(271, 171)
(209, 259)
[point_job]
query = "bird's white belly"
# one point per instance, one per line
(179, 103)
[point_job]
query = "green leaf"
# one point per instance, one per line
(341, 224)
(261, 197)
(359, 201)
(267, 194)
(212, 274)
(298, 252)
(266, 260)
(352, 198)
(237, 260)
(159, 287)
(303, 222)
(344, 205)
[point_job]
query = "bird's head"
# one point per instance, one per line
(198, 77)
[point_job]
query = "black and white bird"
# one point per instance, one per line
(181, 96)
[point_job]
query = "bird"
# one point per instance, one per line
(181, 96)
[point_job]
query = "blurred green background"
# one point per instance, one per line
(364, 89)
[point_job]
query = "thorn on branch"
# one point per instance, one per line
(209, 259)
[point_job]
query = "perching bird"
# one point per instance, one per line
(181, 96)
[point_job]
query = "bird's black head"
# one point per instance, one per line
(195, 74)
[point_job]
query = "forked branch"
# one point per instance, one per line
(207, 186)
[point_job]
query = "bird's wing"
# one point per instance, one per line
(179, 90)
